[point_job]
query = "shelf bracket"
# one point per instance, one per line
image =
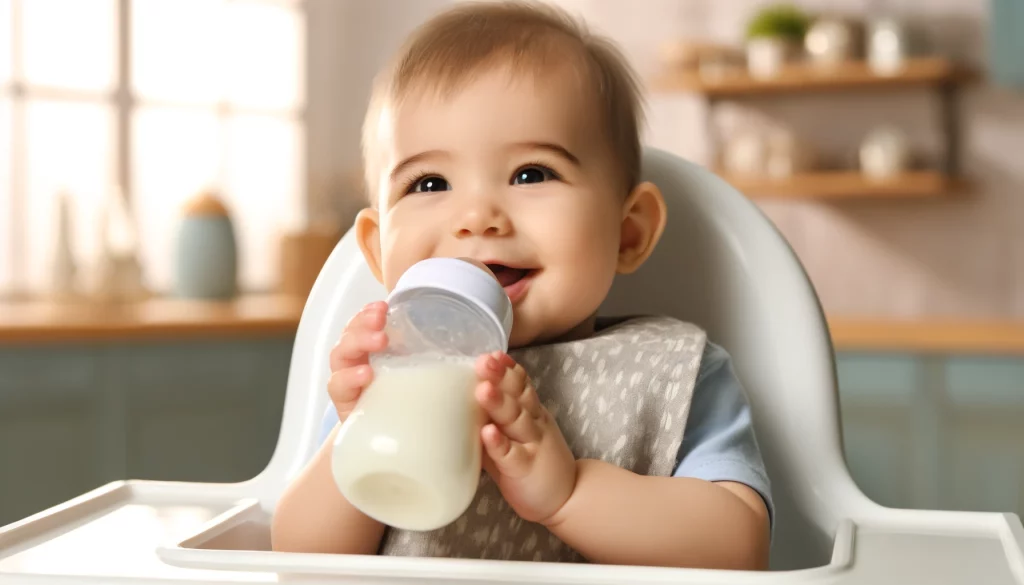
(949, 97)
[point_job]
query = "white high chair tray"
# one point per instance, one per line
(722, 265)
(151, 532)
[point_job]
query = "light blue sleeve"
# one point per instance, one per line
(719, 442)
(327, 423)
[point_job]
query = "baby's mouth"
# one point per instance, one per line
(507, 276)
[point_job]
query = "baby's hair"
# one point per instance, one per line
(446, 51)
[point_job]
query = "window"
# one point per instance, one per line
(164, 97)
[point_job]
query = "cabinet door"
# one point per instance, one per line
(985, 426)
(204, 412)
(935, 432)
(876, 396)
(51, 445)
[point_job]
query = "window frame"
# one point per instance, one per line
(122, 99)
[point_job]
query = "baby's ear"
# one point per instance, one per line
(368, 235)
(643, 221)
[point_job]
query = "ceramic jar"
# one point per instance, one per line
(206, 263)
(884, 153)
(767, 56)
(887, 46)
(830, 42)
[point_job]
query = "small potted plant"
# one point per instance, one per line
(774, 34)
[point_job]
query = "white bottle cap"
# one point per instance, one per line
(461, 278)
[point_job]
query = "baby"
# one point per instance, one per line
(508, 134)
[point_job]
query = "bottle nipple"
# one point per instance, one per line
(479, 265)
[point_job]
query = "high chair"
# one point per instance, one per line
(722, 265)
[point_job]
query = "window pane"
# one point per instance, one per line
(5, 193)
(264, 55)
(263, 190)
(177, 153)
(70, 146)
(70, 43)
(5, 40)
(176, 46)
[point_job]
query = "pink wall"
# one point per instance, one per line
(960, 258)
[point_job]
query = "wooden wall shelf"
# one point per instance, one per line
(801, 77)
(935, 73)
(847, 184)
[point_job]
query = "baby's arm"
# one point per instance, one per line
(707, 516)
(615, 516)
(313, 516)
(715, 529)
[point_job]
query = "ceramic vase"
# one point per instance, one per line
(119, 271)
(64, 268)
(885, 153)
(766, 56)
(887, 46)
(830, 42)
(206, 259)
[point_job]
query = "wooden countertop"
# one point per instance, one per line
(928, 336)
(37, 322)
(34, 322)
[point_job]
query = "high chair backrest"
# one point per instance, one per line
(720, 264)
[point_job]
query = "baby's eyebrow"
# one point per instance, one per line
(556, 149)
(415, 159)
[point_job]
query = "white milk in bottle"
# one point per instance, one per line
(409, 453)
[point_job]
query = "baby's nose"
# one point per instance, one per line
(486, 221)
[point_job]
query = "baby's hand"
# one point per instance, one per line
(350, 358)
(525, 452)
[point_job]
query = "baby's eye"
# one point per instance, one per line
(533, 174)
(430, 184)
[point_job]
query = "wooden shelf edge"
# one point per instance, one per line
(804, 77)
(975, 337)
(848, 185)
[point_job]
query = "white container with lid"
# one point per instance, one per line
(409, 453)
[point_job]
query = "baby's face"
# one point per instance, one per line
(516, 174)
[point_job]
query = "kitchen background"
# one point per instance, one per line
(173, 172)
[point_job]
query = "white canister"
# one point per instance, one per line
(745, 154)
(829, 42)
(787, 155)
(884, 153)
(887, 46)
(766, 56)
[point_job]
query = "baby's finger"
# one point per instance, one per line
(373, 316)
(515, 379)
(504, 359)
(501, 408)
(346, 384)
(354, 347)
(506, 412)
(509, 457)
(489, 369)
(530, 401)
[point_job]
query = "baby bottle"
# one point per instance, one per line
(409, 453)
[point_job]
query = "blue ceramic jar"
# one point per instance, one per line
(206, 259)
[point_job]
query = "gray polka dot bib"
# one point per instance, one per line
(621, 395)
